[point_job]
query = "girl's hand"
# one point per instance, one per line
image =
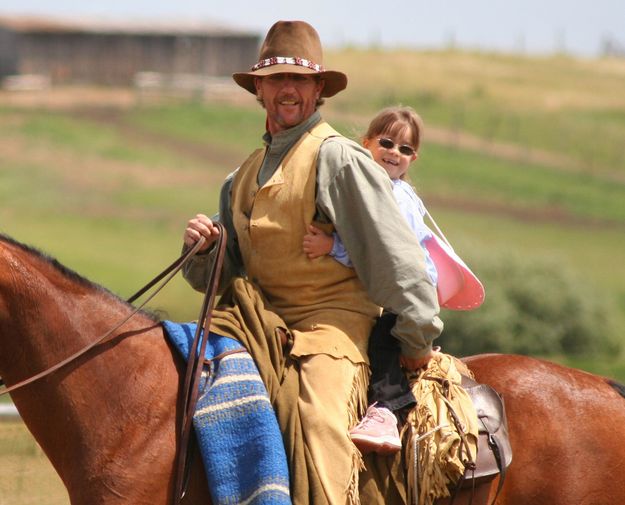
(317, 243)
(414, 364)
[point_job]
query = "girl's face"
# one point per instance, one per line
(395, 158)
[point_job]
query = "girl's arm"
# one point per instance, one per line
(317, 243)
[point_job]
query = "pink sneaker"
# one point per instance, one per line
(377, 432)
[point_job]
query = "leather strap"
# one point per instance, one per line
(195, 364)
(174, 267)
(498, 452)
(469, 461)
(171, 270)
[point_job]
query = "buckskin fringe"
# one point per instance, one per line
(439, 458)
(356, 409)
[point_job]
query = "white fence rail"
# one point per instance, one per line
(8, 412)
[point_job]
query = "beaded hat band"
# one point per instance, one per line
(292, 47)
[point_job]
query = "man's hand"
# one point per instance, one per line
(200, 226)
(414, 364)
(317, 243)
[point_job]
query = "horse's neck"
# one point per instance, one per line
(47, 315)
(113, 404)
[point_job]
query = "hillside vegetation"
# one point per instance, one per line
(571, 108)
(523, 167)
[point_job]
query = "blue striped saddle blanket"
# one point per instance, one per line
(235, 425)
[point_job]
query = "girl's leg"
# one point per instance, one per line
(388, 385)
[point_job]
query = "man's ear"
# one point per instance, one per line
(320, 85)
(257, 84)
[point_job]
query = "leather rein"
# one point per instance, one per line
(170, 271)
(195, 364)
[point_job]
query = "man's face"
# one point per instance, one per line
(289, 99)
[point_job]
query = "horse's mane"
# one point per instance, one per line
(65, 271)
(617, 386)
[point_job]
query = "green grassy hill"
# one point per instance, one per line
(522, 157)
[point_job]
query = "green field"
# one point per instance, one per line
(519, 158)
(523, 158)
(27, 476)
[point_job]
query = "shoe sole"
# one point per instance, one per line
(379, 445)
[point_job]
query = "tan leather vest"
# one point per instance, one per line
(322, 300)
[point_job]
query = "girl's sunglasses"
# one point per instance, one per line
(404, 149)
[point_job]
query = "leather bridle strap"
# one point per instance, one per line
(171, 270)
(195, 364)
(174, 267)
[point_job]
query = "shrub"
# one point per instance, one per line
(533, 306)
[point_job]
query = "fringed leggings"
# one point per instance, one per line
(332, 399)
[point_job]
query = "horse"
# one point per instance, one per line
(566, 428)
(107, 421)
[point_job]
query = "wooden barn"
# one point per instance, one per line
(114, 53)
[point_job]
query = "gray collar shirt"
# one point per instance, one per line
(354, 194)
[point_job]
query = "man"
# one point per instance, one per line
(307, 173)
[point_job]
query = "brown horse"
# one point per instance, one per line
(567, 431)
(107, 421)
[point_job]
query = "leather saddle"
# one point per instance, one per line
(494, 452)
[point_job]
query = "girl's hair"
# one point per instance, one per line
(393, 121)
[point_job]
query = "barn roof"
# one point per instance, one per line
(39, 24)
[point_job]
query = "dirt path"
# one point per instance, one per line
(106, 105)
(515, 152)
(113, 104)
(459, 139)
(207, 152)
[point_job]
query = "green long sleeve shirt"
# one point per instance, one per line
(355, 194)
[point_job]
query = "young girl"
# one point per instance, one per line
(393, 137)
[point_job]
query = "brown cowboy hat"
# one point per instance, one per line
(292, 47)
